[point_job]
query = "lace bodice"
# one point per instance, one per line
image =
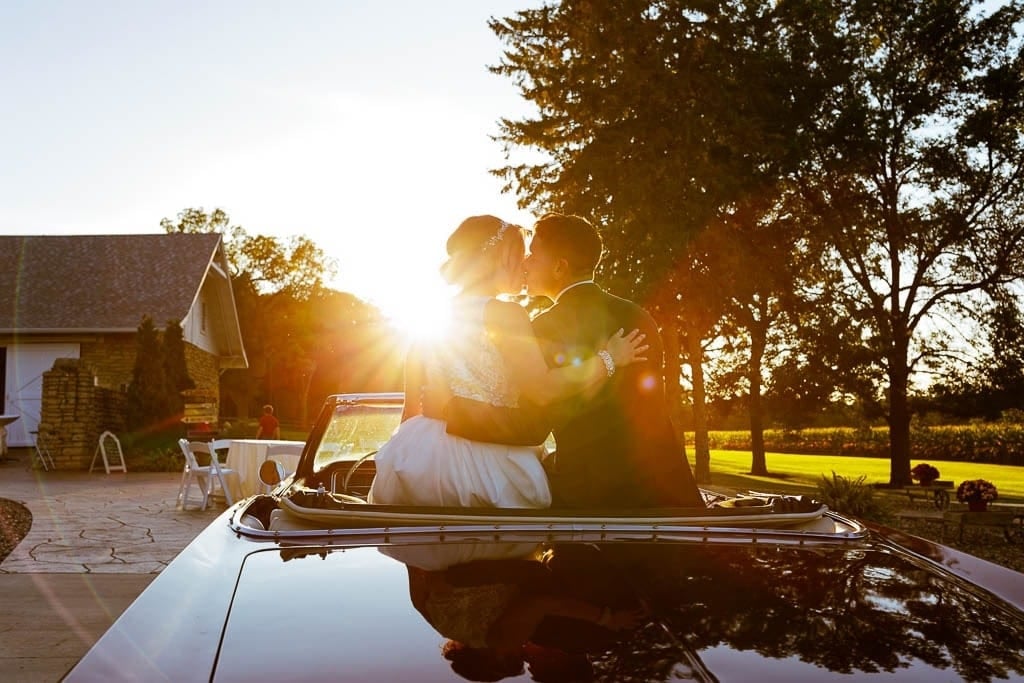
(468, 360)
(467, 613)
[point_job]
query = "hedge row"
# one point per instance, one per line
(997, 443)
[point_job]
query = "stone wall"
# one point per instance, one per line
(75, 411)
(83, 397)
(112, 358)
(203, 369)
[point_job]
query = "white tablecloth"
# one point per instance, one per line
(246, 455)
(4, 421)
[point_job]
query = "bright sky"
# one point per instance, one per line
(362, 125)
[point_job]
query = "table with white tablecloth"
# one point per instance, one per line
(246, 455)
(4, 421)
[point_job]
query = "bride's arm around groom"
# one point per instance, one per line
(615, 443)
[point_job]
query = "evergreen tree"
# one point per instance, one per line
(175, 369)
(148, 400)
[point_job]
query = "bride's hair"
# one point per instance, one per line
(476, 249)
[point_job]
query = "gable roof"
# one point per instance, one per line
(93, 283)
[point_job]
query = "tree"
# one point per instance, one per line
(915, 173)
(175, 367)
(149, 395)
(196, 220)
(993, 383)
(760, 266)
(1005, 371)
(271, 280)
(654, 118)
(294, 265)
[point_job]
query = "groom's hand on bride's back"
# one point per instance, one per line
(434, 400)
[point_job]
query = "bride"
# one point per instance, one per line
(492, 356)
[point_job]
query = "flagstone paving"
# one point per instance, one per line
(99, 523)
(96, 541)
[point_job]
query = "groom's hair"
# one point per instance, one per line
(572, 238)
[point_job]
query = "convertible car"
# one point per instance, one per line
(310, 582)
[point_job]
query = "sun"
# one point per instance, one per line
(421, 316)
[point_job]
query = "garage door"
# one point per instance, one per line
(23, 393)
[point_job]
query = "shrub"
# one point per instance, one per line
(851, 497)
(924, 473)
(155, 460)
(155, 451)
(999, 443)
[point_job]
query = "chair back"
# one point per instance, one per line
(218, 445)
(205, 447)
(190, 457)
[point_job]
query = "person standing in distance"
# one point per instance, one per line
(270, 428)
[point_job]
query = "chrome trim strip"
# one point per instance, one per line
(341, 517)
(371, 398)
(502, 532)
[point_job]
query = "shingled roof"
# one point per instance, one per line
(75, 283)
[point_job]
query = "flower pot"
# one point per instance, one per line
(977, 505)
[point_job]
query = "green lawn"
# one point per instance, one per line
(801, 473)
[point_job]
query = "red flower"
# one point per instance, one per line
(976, 490)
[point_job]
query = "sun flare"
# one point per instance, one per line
(426, 317)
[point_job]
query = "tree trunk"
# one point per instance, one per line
(702, 452)
(758, 465)
(308, 370)
(899, 421)
(673, 370)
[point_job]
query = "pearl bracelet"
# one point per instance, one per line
(609, 364)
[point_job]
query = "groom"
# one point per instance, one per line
(615, 446)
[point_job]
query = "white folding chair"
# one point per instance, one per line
(217, 471)
(42, 451)
(218, 445)
(192, 473)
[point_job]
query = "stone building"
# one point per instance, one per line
(70, 307)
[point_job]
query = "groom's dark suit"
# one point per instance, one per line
(615, 445)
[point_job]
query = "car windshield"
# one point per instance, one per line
(356, 428)
(359, 424)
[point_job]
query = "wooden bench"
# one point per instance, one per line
(930, 516)
(1010, 521)
(937, 492)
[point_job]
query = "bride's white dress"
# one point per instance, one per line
(424, 465)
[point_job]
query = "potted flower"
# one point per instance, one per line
(924, 474)
(977, 493)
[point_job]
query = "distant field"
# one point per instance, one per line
(992, 442)
(802, 472)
